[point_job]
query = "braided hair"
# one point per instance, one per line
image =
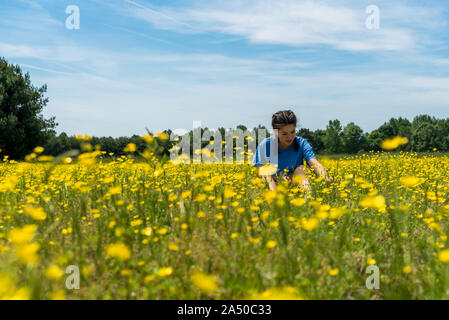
(283, 118)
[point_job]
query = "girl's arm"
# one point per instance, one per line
(271, 181)
(300, 177)
(319, 169)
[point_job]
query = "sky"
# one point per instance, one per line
(136, 64)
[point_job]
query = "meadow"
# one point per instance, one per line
(159, 230)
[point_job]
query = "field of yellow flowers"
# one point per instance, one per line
(158, 230)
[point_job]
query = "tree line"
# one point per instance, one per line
(424, 133)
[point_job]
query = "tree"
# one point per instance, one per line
(425, 137)
(353, 139)
(442, 127)
(332, 137)
(420, 120)
(373, 140)
(313, 138)
(22, 126)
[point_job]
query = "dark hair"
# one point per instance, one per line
(283, 118)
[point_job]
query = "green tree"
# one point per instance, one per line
(421, 119)
(314, 138)
(373, 140)
(353, 139)
(442, 127)
(425, 137)
(22, 126)
(332, 137)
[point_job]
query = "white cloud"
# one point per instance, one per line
(433, 83)
(290, 22)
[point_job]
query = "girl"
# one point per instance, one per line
(288, 152)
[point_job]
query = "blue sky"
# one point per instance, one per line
(163, 64)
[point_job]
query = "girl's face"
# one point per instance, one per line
(286, 135)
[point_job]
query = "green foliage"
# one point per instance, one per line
(424, 137)
(22, 126)
(332, 138)
(353, 138)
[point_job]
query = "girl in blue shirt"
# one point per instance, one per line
(287, 152)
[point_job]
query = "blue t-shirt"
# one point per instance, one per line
(289, 158)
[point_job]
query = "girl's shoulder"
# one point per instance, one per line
(301, 140)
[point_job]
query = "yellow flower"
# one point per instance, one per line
(435, 226)
(336, 213)
(46, 158)
(115, 190)
(136, 223)
(375, 202)
(22, 235)
(57, 295)
(407, 269)
(219, 216)
(27, 253)
(228, 193)
(410, 181)
(201, 197)
(284, 293)
(163, 272)
(163, 136)
(201, 214)
(205, 283)
(131, 147)
(186, 194)
(35, 213)
(443, 256)
(119, 231)
(270, 196)
(82, 137)
(38, 150)
(370, 262)
(393, 143)
(119, 251)
(149, 278)
(333, 272)
(311, 224)
(173, 247)
(53, 272)
(67, 160)
(253, 240)
(298, 202)
(274, 224)
(8, 290)
(126, 272)
(271, 244)
(148, 138)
